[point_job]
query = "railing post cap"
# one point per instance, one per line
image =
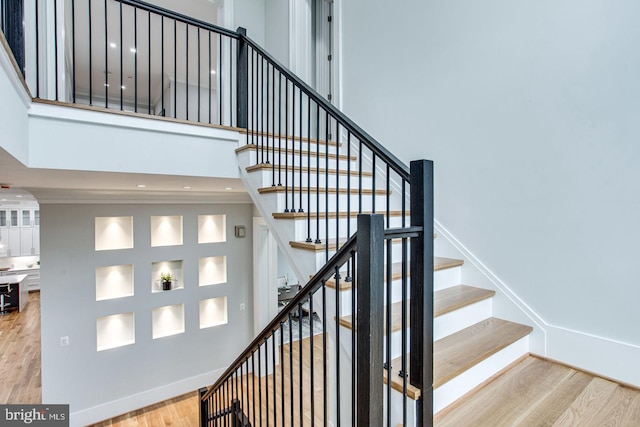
(241, 31)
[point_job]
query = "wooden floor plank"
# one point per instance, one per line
(588, 403)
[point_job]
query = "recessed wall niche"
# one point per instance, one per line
(175, 268)
(114, 331)
(213, 312)
(168, 320)
(212, 228)
(115, 281)
(166, 230)
(115, 232)
(212, 270)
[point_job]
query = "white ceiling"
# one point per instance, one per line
(64, 186)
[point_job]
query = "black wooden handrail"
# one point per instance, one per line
(180, 17)
(377, 148)
(314, 284)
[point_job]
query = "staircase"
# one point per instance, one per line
(470, 346)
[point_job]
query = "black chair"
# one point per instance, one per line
(5, 293)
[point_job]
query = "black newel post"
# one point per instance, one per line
(369, 320)
(421, 303)
(242, 84)
(14, 30)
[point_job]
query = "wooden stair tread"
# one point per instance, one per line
(284, 137)
(303, 215)
(312, 170)
(294, 152)
(439, 263)
(458, 352)
(282, 189)
(455, 297)
(444, 301)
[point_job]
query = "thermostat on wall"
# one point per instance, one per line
(239, 230)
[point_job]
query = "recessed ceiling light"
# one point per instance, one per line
(132, 50)
(123, 87)
(3, 200)
(187, 187)
(213, 71)
(228, 188)
(19, 195)
(106, 85)
(113, 45)
(141, 186)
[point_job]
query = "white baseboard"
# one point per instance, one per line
(602, 356)
(140, 400)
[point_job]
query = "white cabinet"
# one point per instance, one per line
(20, 232)
(31, 282)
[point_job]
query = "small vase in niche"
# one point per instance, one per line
(166, 279)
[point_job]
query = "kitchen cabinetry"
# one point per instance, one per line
(32, 280)
(20, 231)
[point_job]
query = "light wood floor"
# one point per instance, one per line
(536, 392)
(20, 374)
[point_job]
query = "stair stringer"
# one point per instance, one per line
(506, 303)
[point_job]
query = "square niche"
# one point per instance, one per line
(212, 228)
(212, 270)
(115, 281)
(114, 232)
(168, 320)
(115, 331)
(175, 268)
(213, 312)
(166, 230)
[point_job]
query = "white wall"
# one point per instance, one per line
(14, 104)
(103, 384)
(250, 14)
(530, 112)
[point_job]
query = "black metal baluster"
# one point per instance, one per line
(388, 326)
(373, 180)
(273, 126)
(73, 42)
(225, 400)
(282, 371)
(199, 69)
(325, 389)
(405, 262)
(121, 57)
(230, 82)
(348, 278)
(338, 187)
(337, 292)
(253, 388)
(259, 385)
(135, 59)
(354, 350)
(286, 145)
(301, 383)
(291, 396)
(175, 69)
(318, 241)
(267, 119)
(220, 91)
(279, 136)
(326, 189)
(261, 113)
(90, 57)
(360, 176)
(55, 42)
(106, 59)
(149, 62)
(308, 170)
(293, 148)
(273, 369)
(209, 74)
(186, 61)
(311, 374)
(162, 66)
(300, 160)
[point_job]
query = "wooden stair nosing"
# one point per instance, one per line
(282, 189)
(295, 152)
(312, 170)
(289, 137)
(322, 215)
(444, 301)
(458, 352)
(439, 263)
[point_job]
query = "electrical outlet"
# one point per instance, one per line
(64, 341)
(242, 307)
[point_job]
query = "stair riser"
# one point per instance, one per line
(321, 259)
(461, 318)
(248, 158)
(332, 203)
(282, 143)
(301, 231)
(283, 177)
(451, 391)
